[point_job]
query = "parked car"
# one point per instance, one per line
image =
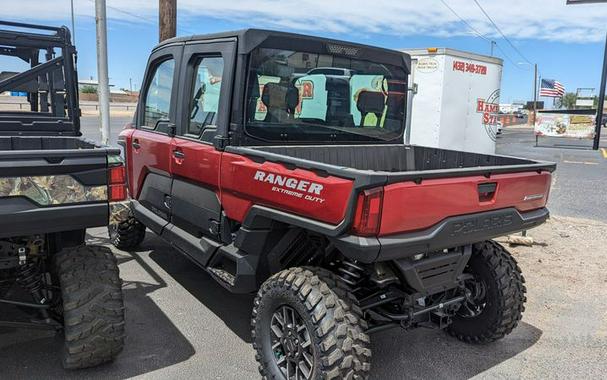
(339, 228)
(53, 186)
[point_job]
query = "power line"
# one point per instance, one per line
(134, 15)
(462, 20)
(480, 35)
(500, 32)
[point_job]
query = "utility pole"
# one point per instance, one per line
(599, 111)
(103, 87)
(492, 46)
(167, 19)
(73, 24)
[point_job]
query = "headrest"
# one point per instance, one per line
(370, 102)
(280, 95)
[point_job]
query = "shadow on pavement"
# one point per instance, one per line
(397, 354)
(233, 309)
(433, 354)
(153, 342)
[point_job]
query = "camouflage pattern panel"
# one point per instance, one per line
(115, 160)
(51, 190)
(120, 212)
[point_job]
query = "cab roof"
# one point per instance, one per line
(249, 39)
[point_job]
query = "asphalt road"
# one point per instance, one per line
(89, 126)
(183, 325)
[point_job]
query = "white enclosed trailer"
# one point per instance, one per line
(455, 99)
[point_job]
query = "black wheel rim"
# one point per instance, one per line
(475, 302)
(291, 344)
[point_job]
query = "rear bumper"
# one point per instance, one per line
(19, 217)
(451, 232)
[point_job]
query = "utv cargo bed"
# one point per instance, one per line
(431, 198)
(398, 162)
(51, 184)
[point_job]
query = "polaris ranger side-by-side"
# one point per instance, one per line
(54, 185)
(275, 161)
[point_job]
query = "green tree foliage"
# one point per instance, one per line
(567, 101)
(88, 90)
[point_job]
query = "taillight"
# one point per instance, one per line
(117, 183)
(367, 217)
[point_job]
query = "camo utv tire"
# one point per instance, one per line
(126, 235)
(303, 329)
(93, 306)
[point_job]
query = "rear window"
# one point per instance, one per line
(302, 96)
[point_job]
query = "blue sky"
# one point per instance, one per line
(566, 42)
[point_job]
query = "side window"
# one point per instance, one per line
(158, 94)
(204, 103)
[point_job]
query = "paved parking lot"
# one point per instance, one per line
(181, 324)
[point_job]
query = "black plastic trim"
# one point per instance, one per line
(451, 232)
(19, 217)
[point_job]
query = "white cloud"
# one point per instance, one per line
(519, 19)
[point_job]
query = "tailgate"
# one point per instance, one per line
(412, 206)
(43, 191)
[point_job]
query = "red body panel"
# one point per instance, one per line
(200, 165)
(240, 190)
(153, 154)
(409, 206)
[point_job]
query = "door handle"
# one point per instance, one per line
(178, 154)
(135, 144)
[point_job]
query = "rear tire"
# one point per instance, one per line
(126, 235)
(339, 347)
(93, 307)
(496, 296)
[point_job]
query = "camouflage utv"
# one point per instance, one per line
(53, 186)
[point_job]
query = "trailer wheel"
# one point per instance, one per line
(93, 308)
(495, 296)
(127, 234)
(302, 329)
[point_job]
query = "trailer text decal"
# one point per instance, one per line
(489, 108)
(291, 186)
(468, 67)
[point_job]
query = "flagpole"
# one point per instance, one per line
(535, 94)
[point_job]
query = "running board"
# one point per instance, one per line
(235, 270)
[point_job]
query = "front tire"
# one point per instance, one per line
(93, 307)
(495, 296)
(127, 234)
(303, 329)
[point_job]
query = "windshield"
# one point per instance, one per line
(301, 96)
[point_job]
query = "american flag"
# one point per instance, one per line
(552, 88)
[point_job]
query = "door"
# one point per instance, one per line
(151, 142)
(203, 114)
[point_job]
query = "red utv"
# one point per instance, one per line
(276, 162)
